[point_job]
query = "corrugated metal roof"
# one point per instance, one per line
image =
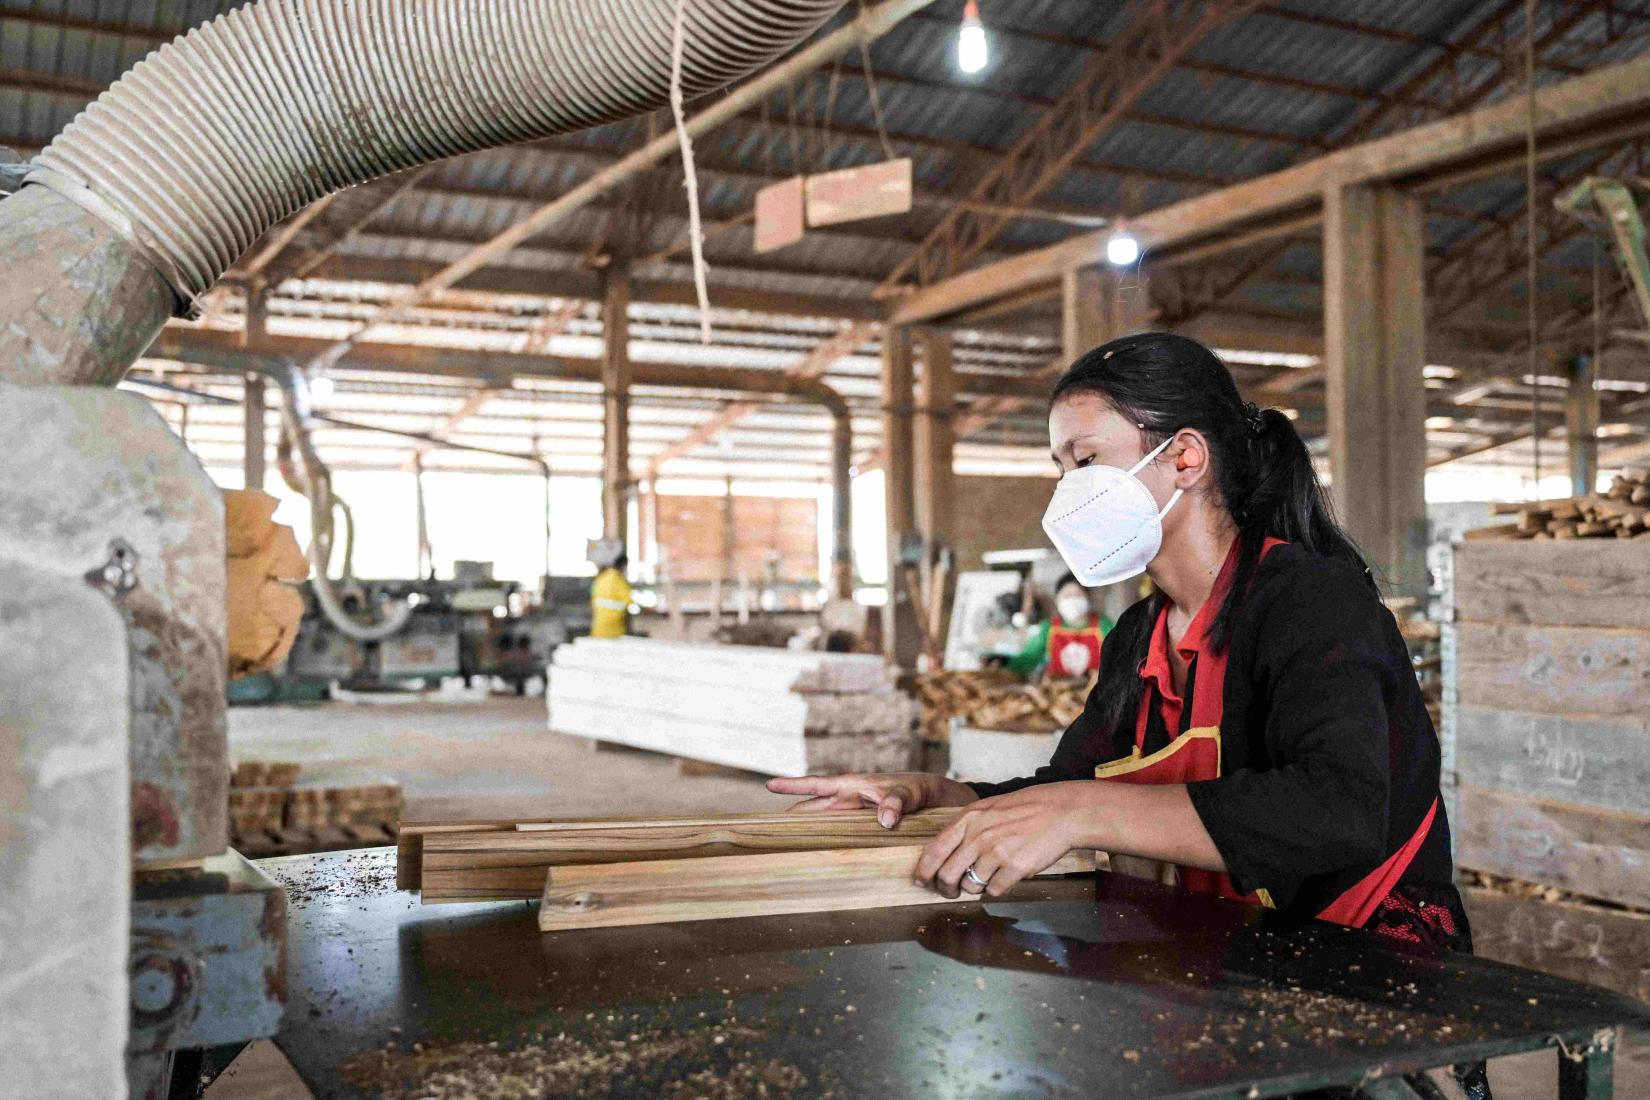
(1258, 93)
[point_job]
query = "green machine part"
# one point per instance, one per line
(1609, 206)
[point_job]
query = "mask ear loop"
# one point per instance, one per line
(1159, 449)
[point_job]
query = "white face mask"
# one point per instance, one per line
(1073, 609)
(1105, 523)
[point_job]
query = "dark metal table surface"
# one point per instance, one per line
(1106, 987)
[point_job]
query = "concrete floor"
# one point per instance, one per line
(486, 759)
(497, 759)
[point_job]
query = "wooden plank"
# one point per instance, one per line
(502, 865)
(666, 891)
(409, 843)
(1584, 582)
(1585, 943)
(1553, 669)
(1599, 853)
(1599, 99)
(1599, 762)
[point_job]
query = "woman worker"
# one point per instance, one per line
(1256, 722)
(1066, 646)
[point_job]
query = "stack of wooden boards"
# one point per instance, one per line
(1549, 691)
(774, 711)
(623, 871)
(1622, 513)
(271, 813)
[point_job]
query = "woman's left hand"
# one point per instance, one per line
(1007, 838)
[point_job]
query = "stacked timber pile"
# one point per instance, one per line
(1551, 720)
(271, 814)
(773, 711)
(1048, 707)
(1622, 513)
(945, 695)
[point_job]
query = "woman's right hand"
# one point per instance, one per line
(891, 794)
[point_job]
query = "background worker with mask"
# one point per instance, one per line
(1257, 726)
(1066, 646)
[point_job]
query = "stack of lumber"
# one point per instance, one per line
(1622, 513)
(648, 870)
(777, 712)
(1048, 707)
(264, 563)
(271, 813)
(946, 694)
(1551, 721)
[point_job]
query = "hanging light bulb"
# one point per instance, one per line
(1122, 249)
(320, 388)
(972, 51)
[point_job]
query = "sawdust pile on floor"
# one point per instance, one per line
(707, 1063)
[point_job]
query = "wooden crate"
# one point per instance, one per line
(1550, 712)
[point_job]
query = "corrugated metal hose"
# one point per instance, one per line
(244, 121)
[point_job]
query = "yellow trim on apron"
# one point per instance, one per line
(1135, 762)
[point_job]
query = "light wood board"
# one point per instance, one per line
(1585, 943)
(1553, 669)
(1600, 853)
(494, 866)
(1602, 762)
(1573, 582)
(667, 891)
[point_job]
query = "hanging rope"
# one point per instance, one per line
(1529, 242)
(696, 229)
(872, 93)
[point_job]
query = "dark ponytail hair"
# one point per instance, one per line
(1164, 383)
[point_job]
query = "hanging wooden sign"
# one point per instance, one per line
(865, 191)
(779, 215)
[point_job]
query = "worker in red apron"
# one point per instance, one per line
(1065, 646)
(1257, 728)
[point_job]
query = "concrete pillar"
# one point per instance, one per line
(1581, 425)
(899, 622)
(936, 486)
(1374, 352)
(253, 463)
(1098, 304)
(615, 404)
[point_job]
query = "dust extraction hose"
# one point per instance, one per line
(246, 120)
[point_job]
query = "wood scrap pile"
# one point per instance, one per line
(1621, 513)
(1033, 708)
(600, 873)
(270, 813)
(946, 694)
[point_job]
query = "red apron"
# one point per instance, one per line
(1195, 755)
(1073, 654)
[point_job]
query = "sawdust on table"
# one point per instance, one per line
(704, 1063)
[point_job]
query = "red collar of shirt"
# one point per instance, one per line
(1156, 668)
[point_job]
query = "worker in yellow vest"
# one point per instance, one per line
(610, 601)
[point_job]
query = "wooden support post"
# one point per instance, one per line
(1581, 425)
(1374, 344)
(615, 404)
(899, 624)
(1098, 304)
(253, 461)
(842, 507)
(936, 482)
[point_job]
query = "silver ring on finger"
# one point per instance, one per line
(975, 879)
